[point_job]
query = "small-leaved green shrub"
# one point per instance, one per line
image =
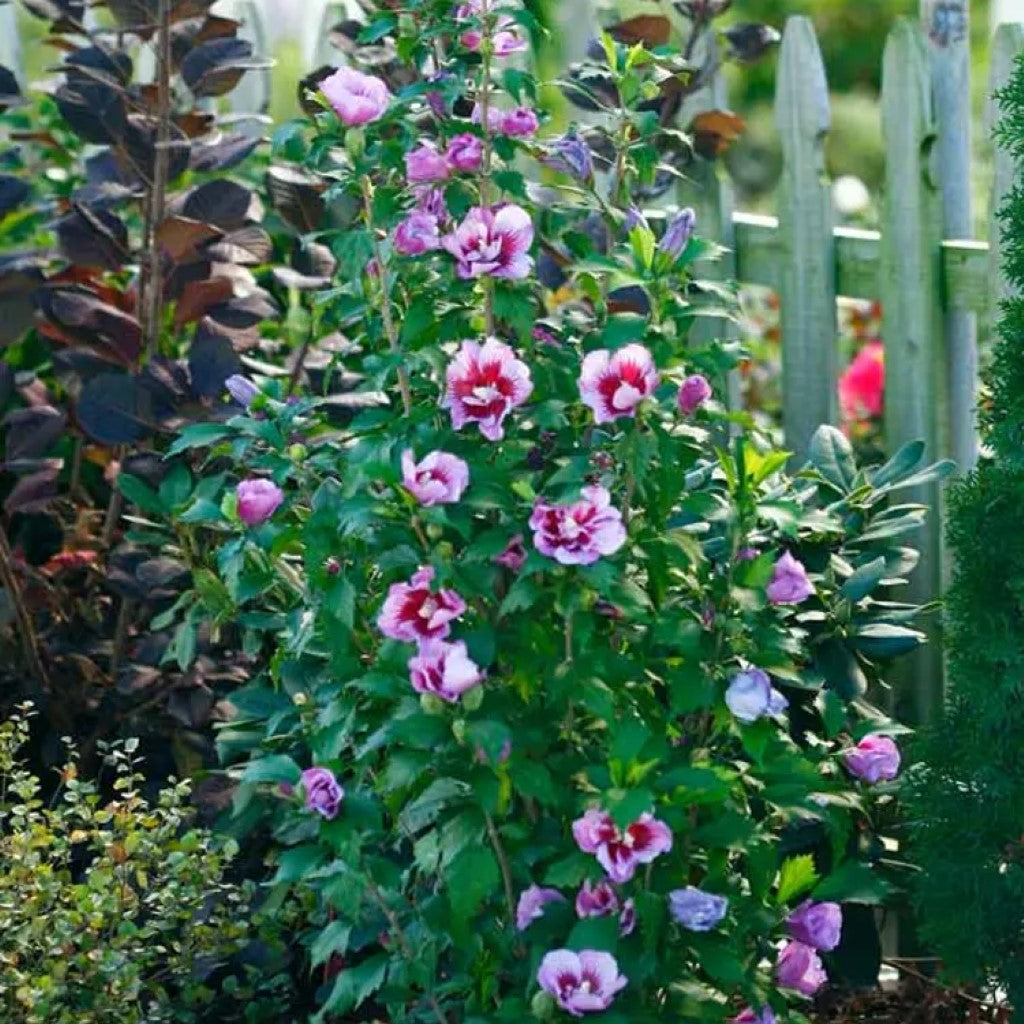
(114, 907)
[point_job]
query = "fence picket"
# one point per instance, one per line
(10, 40)
(916, 401)
(808, 279)
(947, 26)
(1007, 45)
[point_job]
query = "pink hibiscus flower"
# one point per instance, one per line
(613, 384)
(484, 384)
(444, 670)
(619, 853)
(580, 533)
(493, 242)
(438, 479)
(413, 613)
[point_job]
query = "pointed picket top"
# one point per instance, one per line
(808, 284)
(1007, 45)
(916, 390)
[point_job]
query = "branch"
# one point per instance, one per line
(153, 270)
(506, 871)
(389, 323)
(26, 629)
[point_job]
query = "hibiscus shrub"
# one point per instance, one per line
(560, 682)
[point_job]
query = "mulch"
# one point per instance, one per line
(917, 1000)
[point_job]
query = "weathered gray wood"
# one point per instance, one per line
(1007, 44)
(808, 281)
(966, 265)
(916, 400)
(947, 27)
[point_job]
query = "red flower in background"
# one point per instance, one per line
(862, 385)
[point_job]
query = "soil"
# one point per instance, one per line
(915, 1001)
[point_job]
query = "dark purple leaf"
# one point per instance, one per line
(6, 382)
(93, 238)
(313, 266)
(34, 492)
(245, 311)
(18, 285)
(297, 197)
(211, 360)
(98, 64)
(215, 67)
(31, 432)
(248, 246)
(749, 42)
(223, 154)
(223, 203)
(83, 316)
(114, 409)
(10, 91)
(94, 111)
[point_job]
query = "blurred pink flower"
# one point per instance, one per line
(438, 479)
(693, 393)
(531, 905)
(520, 123)
(875, 759)
(514, 555)
(613, 384)
(417, 234)
(493, 242)
(862, 384)
(466, 152)
(412, 612)
(357, 99)
(484, 384)
(506, 36)
(789, 583)
(444, 670)
(258, 500)
(580, 533)
(799, 968)
(425, 164)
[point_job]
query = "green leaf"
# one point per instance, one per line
(353, 987)
(832, 456)
(595, 933)
(883, 640)
(796, 877)
(472, 876)
(718, 958)
(273, 768)
(298, 861)
(333, 939)
(864, 580)
(140, 494)
(521, 596)
(905, 461)
(853, 882)
(198, 435)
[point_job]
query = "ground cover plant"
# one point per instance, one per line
(561, 682)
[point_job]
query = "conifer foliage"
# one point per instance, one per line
(966, 800)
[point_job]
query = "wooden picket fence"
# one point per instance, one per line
(933, 279)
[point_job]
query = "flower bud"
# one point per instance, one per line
(332, 566)
(431, 705)
(543, 1006)
(459, 728)
(297, 452)
(472, 699)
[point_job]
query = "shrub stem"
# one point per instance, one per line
(389, 323)
(26, 629)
